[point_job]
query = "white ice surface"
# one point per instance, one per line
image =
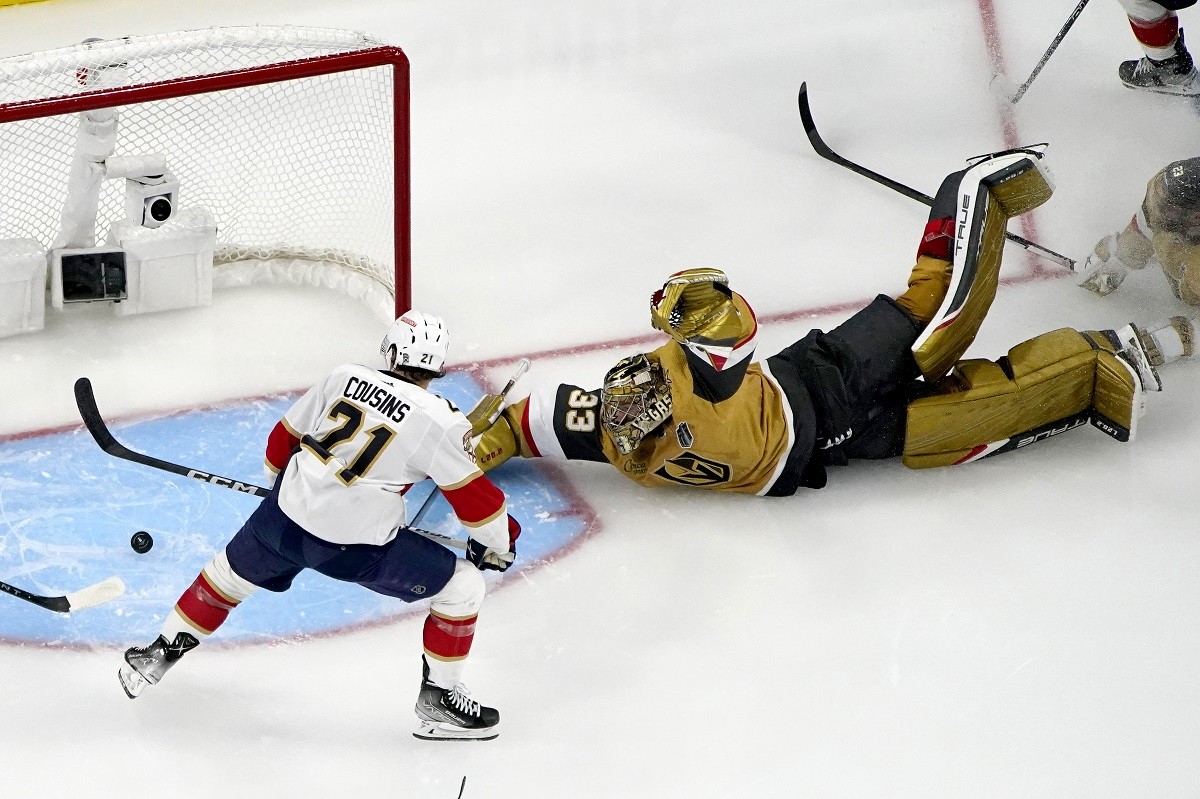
(1023, 627)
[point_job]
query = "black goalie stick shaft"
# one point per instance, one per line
(825, 151)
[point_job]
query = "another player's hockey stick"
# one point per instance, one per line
(76, 600)
(522, 368)
(86, 401)
(1013, 94)
(825, 151)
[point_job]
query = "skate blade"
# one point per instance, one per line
(131, 681)
(430, 731)
(1171, 91)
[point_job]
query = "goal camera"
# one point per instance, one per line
(93, 274)
(151, 191)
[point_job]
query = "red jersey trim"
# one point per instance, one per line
(280, 444)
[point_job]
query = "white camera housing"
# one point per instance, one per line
(151, 191)
(168, 266)
(151, 204)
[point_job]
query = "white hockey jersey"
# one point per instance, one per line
(382, 434)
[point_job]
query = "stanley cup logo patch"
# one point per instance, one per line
(683, 434)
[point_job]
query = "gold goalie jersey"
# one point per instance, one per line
(729, 430)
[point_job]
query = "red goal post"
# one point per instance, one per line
(296, 140)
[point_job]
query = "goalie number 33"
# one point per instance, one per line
(581, 416)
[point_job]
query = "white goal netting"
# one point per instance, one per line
(294, 139)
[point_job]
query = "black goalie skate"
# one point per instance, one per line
(451, 714)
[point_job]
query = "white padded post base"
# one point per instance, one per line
(167, 267)
(22, 286)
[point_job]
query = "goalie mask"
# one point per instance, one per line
(635, 400)
(417, 341)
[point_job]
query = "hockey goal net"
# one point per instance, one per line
(294, 139)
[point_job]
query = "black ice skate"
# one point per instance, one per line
(1174, 75)
(146, 665)
(451, 714)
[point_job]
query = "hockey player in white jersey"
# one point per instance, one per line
(345, 454)
(1166, 67)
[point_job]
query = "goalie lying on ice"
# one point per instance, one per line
(887, 382)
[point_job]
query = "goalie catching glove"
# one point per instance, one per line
(696, 303)
(485, 557)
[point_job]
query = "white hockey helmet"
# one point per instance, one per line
(417, 341)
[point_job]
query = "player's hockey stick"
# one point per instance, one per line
(825, 151)
(76, 600)
(1014, 93)
(522, 368)
(86, 401)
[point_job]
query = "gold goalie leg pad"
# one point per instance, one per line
(1046, 386)
(989, 193)
(1118, 400)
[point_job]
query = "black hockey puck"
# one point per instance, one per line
(141, 542)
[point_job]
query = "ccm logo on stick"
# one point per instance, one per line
(222, 481)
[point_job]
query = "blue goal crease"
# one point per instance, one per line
(68, 511)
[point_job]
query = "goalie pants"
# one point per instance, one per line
(853, 384)
(270, 550)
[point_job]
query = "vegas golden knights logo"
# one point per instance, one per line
(693, 470)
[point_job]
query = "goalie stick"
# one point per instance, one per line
(825, 151)
(76, 600)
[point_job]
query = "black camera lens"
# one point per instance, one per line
(160, 209)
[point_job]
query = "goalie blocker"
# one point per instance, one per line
(978, 202)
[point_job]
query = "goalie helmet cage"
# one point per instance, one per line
(295, 139)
